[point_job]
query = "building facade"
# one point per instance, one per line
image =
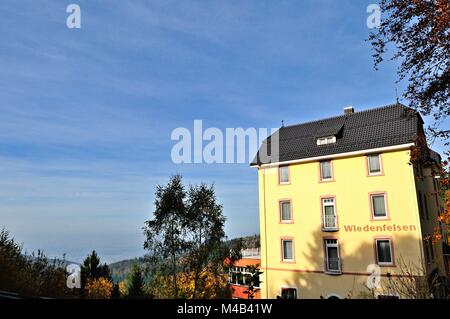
(343, 207)
(241, 275)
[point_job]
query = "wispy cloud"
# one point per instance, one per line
(86, 115)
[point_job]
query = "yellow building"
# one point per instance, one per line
(339, 200)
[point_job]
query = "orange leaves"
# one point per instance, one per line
(212, 285)
(99, 289)
(437, 235)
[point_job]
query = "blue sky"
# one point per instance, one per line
(86, 114)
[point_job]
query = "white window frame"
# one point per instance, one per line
(391, 263)
(372, 206)
(282, 250)
(242, 271)
(331, 170)
(279, 175)
(326, 140)
(281, 202)
(368, 165)
(324, 224)
(333, 245)
(286, 288)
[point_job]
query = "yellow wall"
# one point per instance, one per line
(351, 188)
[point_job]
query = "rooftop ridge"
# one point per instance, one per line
(347, 115)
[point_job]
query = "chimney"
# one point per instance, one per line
(349, 110)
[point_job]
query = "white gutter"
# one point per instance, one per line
(339, 155)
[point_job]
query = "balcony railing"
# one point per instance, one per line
(330, 223)
(250, 252)
(334, 265)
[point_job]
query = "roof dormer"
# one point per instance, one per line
(326, 140)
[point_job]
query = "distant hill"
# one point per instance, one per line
(120, 270)
(55, 261)
(249, 241)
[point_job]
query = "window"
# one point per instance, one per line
(242, 276)
(326, 172)
(426, 252)
(419, 196)
(329, 214)
(384, 251)
(285, 211)
(374, 164)
(288, 249)
(326, 140)
(379, 209)
(429, 252)
(288, 293)
(332, 261)
(436, 191)
(283, 174)
(425, 207)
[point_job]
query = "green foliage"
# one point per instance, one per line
(121, 269)
(254, 281)
(247, 242)
(115, 294)
(135, 287)
(92, 271)
(165, 234)
(185, 237)
(35, 275)
(205, 224)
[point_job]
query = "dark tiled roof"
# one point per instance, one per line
(380, 127)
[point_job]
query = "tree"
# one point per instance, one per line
(31, 275)
(165, 234)
(411, 282)
(420, 31)
(92, 270)
(254, 281)
(122, 286)
(214, 286)
(100, 288)
(185, 238)
(206, 227)
(115, 294)
(135, 287)
(444, 216)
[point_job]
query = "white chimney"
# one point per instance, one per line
(349, 110)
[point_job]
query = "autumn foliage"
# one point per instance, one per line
(31, 275)
(444, 216)
(99, 289)
(213, 285)
(419, 32)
